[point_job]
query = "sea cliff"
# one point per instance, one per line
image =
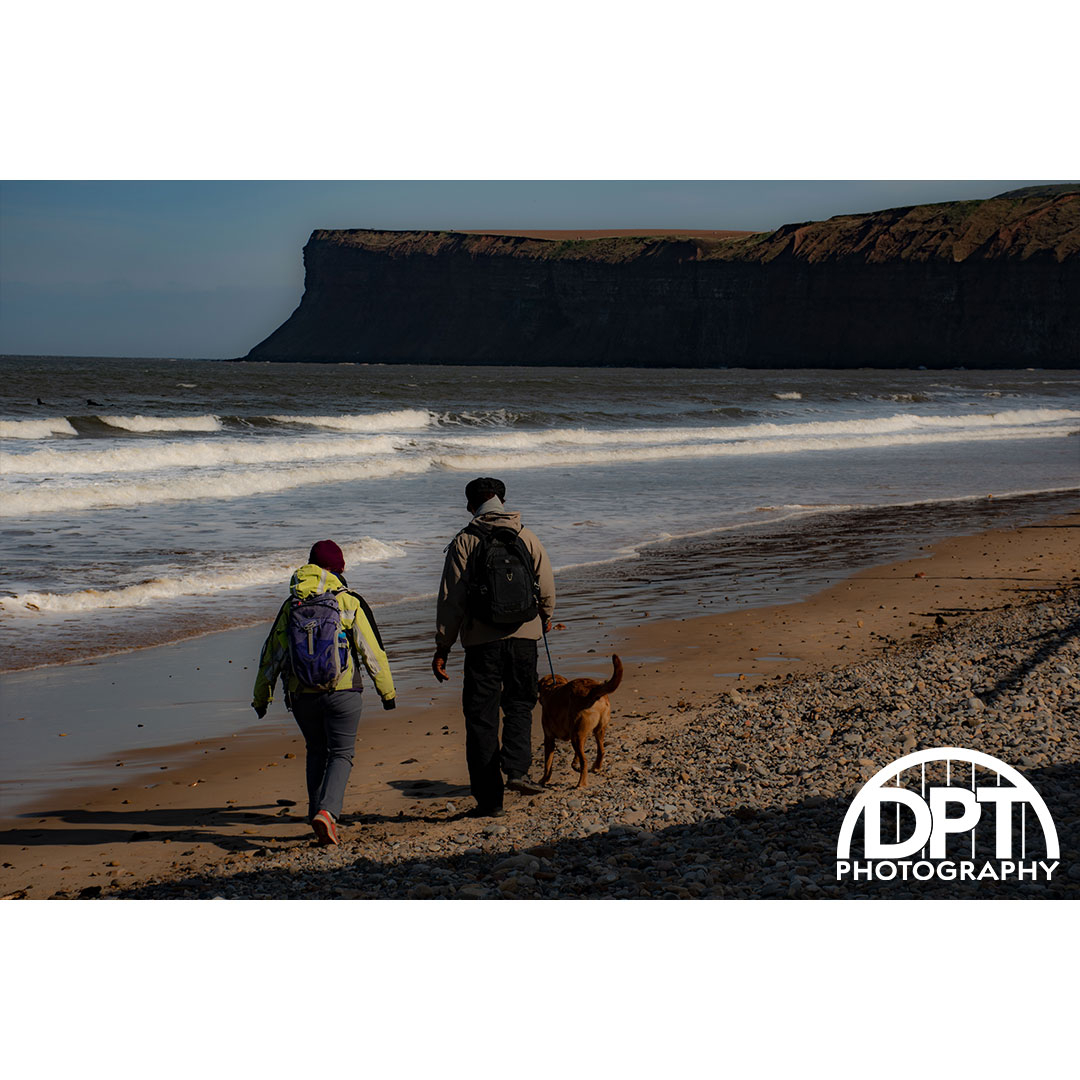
(990, 283)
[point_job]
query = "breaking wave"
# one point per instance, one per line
(735, 448)
(137, 475)
(35, 429)
(46, 499)
(273, 569)
(490, 418)
(163, 423)
(200, 453)
(398, 420)
(968, 426)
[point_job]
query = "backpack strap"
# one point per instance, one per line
(273, 625)
(472, 529)
(530, 562)
(367, 612)
(483, 534)
(283, 666)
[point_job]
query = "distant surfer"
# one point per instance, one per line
(95, 404)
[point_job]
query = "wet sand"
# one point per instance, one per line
(216, 803)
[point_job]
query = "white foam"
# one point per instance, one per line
(794, 512)
(208, 473)
(492, 418)
(35, 429)
(742, 447)
(220, 578)
(225, 484)
(86, 459)
(398, 420)
(788, 395)
(163, 423)
(915, 421)
(882, 425)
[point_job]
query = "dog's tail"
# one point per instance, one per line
(611, 685)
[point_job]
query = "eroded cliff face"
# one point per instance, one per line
(992, 283)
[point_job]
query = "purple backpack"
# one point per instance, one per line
(318, 647)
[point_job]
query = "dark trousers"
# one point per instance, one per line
(329, 722)
(500, 673)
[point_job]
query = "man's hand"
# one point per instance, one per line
(260, 710)
(547, 626)
(389, 703)
(438, 667)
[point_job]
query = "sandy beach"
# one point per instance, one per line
(227, 802)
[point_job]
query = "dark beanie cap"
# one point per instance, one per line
(327, 555)
(484, 485)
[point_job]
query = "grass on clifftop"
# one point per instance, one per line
(1029, 223)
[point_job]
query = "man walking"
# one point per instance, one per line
(498, 593)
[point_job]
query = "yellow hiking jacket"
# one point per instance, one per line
(310, 580)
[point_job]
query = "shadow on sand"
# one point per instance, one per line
(1047, 644)
(197, 825)
(747, 853)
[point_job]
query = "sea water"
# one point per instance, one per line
(153, 502)
(144, 501)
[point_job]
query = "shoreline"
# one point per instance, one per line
(507, 364)
(81, 719)
(410, 764)
(407, 606)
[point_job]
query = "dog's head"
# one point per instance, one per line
(547, 684)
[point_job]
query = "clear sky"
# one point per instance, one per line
(210, 268)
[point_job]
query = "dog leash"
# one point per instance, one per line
(543, 630)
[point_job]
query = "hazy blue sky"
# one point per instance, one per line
(208, 269)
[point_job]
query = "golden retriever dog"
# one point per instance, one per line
(573, 711)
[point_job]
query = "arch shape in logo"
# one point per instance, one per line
(933, 825)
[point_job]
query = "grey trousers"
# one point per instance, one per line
(329, 722)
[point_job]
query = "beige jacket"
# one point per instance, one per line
(452, 616)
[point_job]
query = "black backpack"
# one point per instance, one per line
(502, 585)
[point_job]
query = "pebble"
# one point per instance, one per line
(471, 892)
(740, 796)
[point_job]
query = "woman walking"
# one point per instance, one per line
(321, 635)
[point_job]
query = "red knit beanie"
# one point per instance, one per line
(327, 555)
